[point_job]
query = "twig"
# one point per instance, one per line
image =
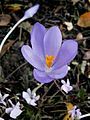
(16, 70)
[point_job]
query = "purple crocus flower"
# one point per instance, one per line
(49, 58)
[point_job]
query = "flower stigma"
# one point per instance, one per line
(49, 60)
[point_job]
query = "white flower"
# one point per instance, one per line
(30, 97)
(69, 25)
(14, 111)
(1, 118)
(2, 98)
(66, 86)
(75, 113)
(31, 11)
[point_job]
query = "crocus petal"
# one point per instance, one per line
(26, 97)
(41, 76)
(31, 11)
(52, 41)
(67, 53)
(15, 112)
(37, 36)
(59, 73)
(31, 57)
(8, 110)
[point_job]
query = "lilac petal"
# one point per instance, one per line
(31, 57)
(41, 77)
(66, 54)
(37, 37)
(59, 73)
(31, 11)
(52, 41)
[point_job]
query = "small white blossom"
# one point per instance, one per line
(14, 111)
(75, 113)
(1, 118)
(66, 86)
(69, 25)
(2, 98)
(30, 97)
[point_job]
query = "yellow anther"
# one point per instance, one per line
(49, 60)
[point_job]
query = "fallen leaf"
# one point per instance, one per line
(87, 55)
(26, 26)
(79, 36)
(14, 7)
(6, 47)
(4, 19)
(69, 106)
(67, 117)
(75, 1)
(84, 20)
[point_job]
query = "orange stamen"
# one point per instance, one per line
(49, 60)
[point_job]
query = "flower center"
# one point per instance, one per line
(49, 60)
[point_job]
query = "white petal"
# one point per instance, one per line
(63, 82)
(26, 97)
(29, 91)
(8, 110)
(68, 82)
(37, 97)
(0, 95)
(5, 96)
(3, 103)
(32, 102)
(1, 118)
(11, 103)
(15, 112)
(64, 88)
(30, 12)
(70, 88)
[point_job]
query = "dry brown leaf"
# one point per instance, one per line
(79, 36)
(84, 20)
(26, 26)
(67, 117)
(87, 55)
(75, 1)
(69, 106)
(6, 47)
(4, 19)
(14, 7)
